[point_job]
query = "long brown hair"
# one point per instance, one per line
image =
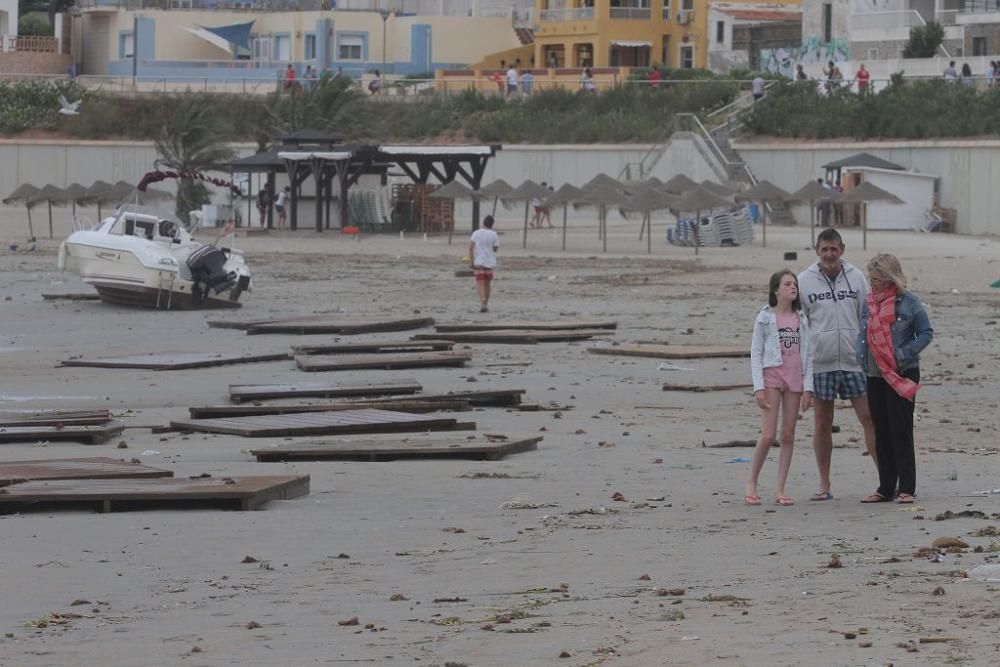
(775, 283)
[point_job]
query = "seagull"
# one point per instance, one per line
(68, 108)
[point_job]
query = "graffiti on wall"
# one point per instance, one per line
(783, 61)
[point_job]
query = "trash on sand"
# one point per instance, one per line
(739, 459)
(518, 504)
(150, 452)
(667, 366)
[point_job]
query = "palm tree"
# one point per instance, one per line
(331, 105)
(194, 140)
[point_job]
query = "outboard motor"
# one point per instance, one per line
(207, 265)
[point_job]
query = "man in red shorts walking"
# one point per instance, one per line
(483, 257)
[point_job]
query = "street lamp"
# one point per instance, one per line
(385, 19)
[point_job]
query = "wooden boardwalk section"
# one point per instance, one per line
(338, 325)
(54, 417)
(414, 405)
(518, 336)
(534, 325)
(705, 387)
(386, 362)
(239, 393)
(376, 347)
(674, 351)
(175, 361)
(98, 467)
(93, 435)
(481, 447)
(367, 420)
(109, 495)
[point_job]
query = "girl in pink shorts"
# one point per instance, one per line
(781, 365)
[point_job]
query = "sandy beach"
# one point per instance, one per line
(430, 556)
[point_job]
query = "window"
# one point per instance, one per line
(666, 10)
(827, 22)
(351, 47)
(873, 53)
(979, 46)
(687, 5)
(282, 51)
(126, 45)
(720, 32)
(665, 51)
(310, 46)
(687, 57)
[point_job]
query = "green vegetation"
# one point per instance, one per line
(921, 109)
(627, 113)
(924, 40)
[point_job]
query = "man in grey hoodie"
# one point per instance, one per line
(833, 293)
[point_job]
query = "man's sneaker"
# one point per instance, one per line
(484, 309)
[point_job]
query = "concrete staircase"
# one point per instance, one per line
(525, 35)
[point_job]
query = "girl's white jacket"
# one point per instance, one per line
(765, 348)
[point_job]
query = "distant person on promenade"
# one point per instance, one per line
(950, 73)
(834, 77)
(654, 78)
(483, 246)
(512, 81)
(587, 81)
(800, 74)
(894, 330)
(527, 81)
(967, 75)
(781, 367)
(375, 85)
(862, 77)
(833, 293)
(757, 87)
(290, 78)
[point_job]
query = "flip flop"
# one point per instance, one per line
(876, 498)
(784, 501)
(751, 500)
(822, 495)
(905, 499)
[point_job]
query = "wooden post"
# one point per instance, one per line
(697, 224)
(604, 227)
(31, 228)
(565, 209)
(648, 224)
(524, 236)
(50, 219)
(864, 226)
(763, 218)
(270, 198)
(812, 221)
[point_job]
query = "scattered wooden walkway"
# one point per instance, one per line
(535, 325)
(376, 347)
(351, 362)
(674, 351)
(176, 361)
(368, 420)
(54, 417)
(109, 495)
(239, 393)
(326, 324)
(93, 435)
(482, 447)
(98, 467)
(705, 387)
(517, 336)
(415, 405)
(76, 296)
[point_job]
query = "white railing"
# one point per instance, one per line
(904, 18)
(576, 14)
(947, 16)
(630, 13)
(980, 7)
(666, 12)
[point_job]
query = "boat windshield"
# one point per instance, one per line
(144, 225)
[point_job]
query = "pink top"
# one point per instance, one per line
(789, 374)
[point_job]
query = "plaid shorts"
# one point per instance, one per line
(849, 384)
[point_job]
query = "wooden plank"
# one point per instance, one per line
(345, 362)
(340, 325)
(79, 296)
(674, 351)
(368, 420)
(98, 467)
(246, 324)
(491, 447)
(414, 405)
(175, 361)
(517, 336)
(373, 347)
(705, 387)
(250, 392)
(244, 492)
(535, 325)
(93, 435)
(54, 417)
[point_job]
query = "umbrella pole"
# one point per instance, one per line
(524, 235)
(763, 217)
(50, 220)
(697, 223)
(494, 211)
(642, 227)
(812, 221)
(648, 224)
(565, 208)
(31, 229)
(864, 226)
(604, 228)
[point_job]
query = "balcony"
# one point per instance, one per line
(557, 15)
(895, 25)
(630, 13)
(980, 7)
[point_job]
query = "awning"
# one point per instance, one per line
(630, 45)
(229, 38)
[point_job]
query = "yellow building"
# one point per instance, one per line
(628, 33)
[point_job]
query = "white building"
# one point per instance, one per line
(8, 20)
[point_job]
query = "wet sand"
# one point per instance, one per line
(582, 575)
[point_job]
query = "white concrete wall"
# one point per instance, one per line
(8, 17)
(968, 171)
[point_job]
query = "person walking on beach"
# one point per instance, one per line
(263, 201)
(894, 330)
(483, 248)
(280, 204)
(781, 366)
(833, 294)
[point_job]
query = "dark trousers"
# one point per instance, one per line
(893, 419)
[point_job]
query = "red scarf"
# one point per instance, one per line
(881, 315)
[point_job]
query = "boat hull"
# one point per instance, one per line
(138, 296)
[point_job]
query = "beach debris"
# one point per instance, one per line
(565, 654)
(850, 635)
(733, 600)
(520, 504)
(964, 514)
(835, 562)
(453, 529)
(988, 531)
(353, 620)
(938, 591)
(77, 603)
(618, 496)
(252, 625)
(948, 542)
(670, 592)
(865, 644)
(249, 559)
(937, 640)
(645, 577)
(454, 599)
(672, 615)
(739, 459)
(736, 443)
(122, 444)
(398, 597)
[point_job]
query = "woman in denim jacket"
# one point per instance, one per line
(781, 365)
(894, 330)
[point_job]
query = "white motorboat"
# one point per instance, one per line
(139, 258)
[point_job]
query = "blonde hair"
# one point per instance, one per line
(885, 266)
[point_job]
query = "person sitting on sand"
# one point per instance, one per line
(781, 366)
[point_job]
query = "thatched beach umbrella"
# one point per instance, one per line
(602, 180)
(494, 190)
(525, 192)
(452, 190)
(679, 184)
(764, 193)
(699, 199)
(647, 200)
(48, 194)
(813, 192)
(602, 197)
(564, 196)
(95, 195)
(21, 195)
(863, 194)
(72, 194)
(723, 191)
